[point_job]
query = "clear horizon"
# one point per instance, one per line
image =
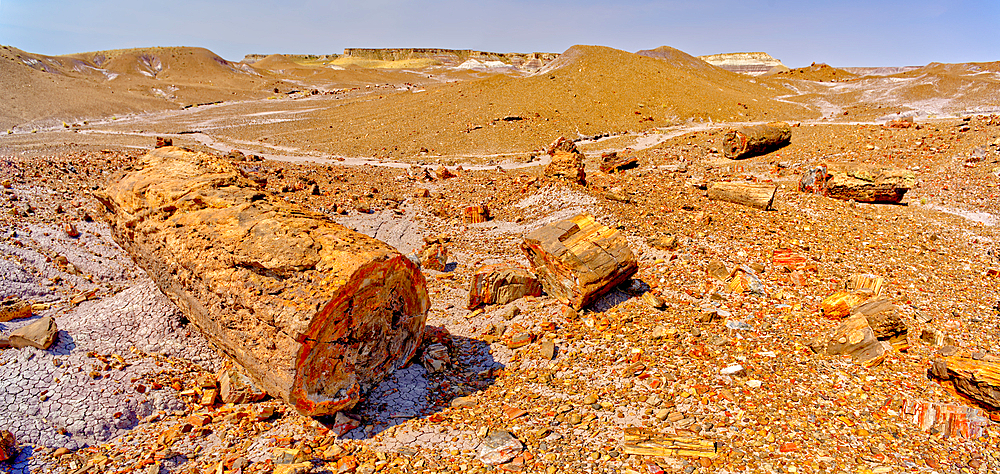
(847, 34)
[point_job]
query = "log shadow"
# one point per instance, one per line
(413, 392)
(627, 290)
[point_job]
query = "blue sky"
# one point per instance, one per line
(840, 33)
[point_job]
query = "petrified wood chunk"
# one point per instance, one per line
(856, 338)
(8, 446)
(883, 317)
(476, 214)
(756, 140)
(760, 196)
(859, 183)
(314, 312)
(579, 259)
(501, 284)
(40, 334)
(611, 162)
(567, 162)
(14, 308)
(644, 441)
(976, 379)
(839, 304)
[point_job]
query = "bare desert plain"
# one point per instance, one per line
(402, 261)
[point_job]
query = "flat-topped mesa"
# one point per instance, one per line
(315, 313)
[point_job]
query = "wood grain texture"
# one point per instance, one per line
(315, 313)
(579, 259)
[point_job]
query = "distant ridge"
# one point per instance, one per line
(753, 64)
(452, 57)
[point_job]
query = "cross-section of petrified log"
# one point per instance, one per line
(756, 140)
(579, 259)
(314, 312)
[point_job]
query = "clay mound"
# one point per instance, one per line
(176, 64)
(817, 72)
(676, 57)
(277, 62)
(44, 91)
(958, 88)
(587, 91)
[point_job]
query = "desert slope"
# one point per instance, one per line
(587, 91)
(41, 91)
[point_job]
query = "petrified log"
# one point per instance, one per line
(976, 379)
(501, 284)
(647, 442)
(314, 312)
(949, 420)
(760, 196)
(579, 259)
(754, 140)
(858, 182)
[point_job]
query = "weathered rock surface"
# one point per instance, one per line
(501, 284)
(40, 334)
(579, 259)
(499, 447)
(14, 308)
(314, 312)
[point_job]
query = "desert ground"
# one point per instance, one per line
(716, 340)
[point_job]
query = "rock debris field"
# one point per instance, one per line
(628, 316)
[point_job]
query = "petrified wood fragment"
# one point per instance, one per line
(760, 196)
(314, 312)
(857, 182)
(856, 338)
(976, 379)
(754, 140)
(501, 284)
(567, 162)
(579, 259)
(644, 441)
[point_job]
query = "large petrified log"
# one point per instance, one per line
(314, 312)
(579, 259)
(760, 196)
(858, 182)
(754, 140)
